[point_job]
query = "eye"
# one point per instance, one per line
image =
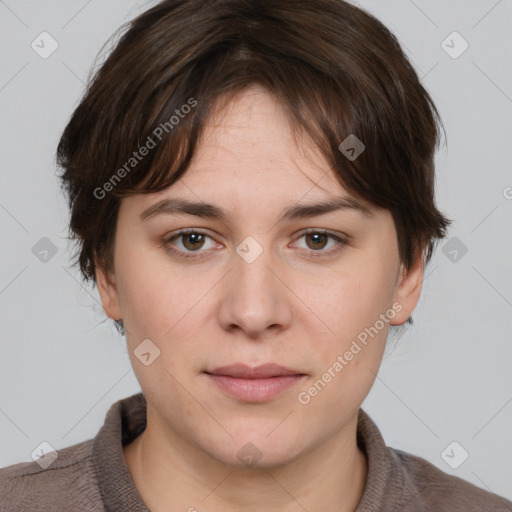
(318, 239)
(191, 241)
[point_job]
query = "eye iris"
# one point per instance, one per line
(194, 238)
(317, 238)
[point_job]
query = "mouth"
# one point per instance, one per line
(254, 384)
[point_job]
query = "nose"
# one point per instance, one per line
(255, 297)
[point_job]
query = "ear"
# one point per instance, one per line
(409, 288)
(107, 289)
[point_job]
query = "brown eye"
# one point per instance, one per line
(318, 240)
(192, 241)
(319, 243)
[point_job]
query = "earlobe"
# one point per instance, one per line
(408, 290)
(108, 292)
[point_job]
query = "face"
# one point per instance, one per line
(315, 294)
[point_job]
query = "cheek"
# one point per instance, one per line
(350, 305)
(353, 299)
(163, 304)
(151, 298)
(370, 287)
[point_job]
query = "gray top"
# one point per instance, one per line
(93, 475)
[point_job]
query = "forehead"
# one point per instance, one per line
(248, 139)
(248, 160)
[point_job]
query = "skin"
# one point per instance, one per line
(285, 307)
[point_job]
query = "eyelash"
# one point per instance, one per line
(313, 254)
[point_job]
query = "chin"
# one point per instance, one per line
(258, 450)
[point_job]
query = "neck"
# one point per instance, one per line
(178, 476)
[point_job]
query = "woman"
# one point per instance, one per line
(251, 186)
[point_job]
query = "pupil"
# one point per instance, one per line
(193, 238)
(317, 238)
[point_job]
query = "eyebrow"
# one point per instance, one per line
(175, 206)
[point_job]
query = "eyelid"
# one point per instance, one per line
(182, 232)
(341, 239)
(333, 234)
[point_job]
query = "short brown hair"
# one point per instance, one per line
(335, 68)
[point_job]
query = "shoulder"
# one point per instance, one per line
(61, 480)
(433, 489)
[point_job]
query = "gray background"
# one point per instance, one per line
(449, 379)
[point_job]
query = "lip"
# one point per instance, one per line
(242, 371)
(254, 384)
